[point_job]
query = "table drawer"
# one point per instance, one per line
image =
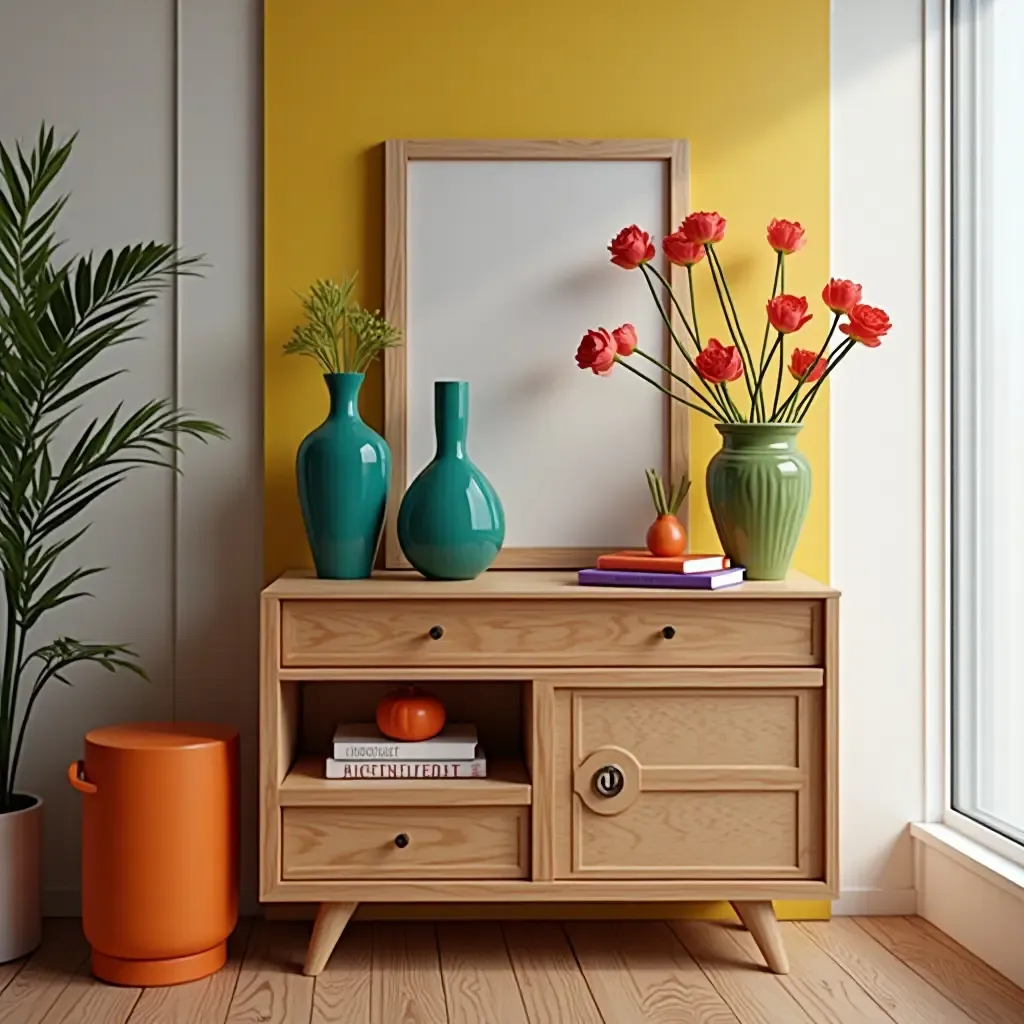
(440, 842)
(570, 633)
(666, 783)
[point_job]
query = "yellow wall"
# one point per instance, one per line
(744, 80)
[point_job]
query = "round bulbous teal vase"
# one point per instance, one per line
(759, 487)
(451, 524)
(343, 469)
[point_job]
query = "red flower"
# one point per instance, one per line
(786, 235)
(803, 358)
(681, 252)
(700, 228)
(841, 295)
(625, 339)
(719, 363)
(631, 247)
(868, 325)
(787, 313)
(596, 352)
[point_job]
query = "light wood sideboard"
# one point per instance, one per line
(642, 746)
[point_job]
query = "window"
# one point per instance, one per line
(987, 422)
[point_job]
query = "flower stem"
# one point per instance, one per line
(664, 391)
(801, 412)
(693, 307)
(679, 309)
(671, 331)
(758, 396)
(682, 380)
(778, 379)
(795, 393)
(736, 332)
(767, 328)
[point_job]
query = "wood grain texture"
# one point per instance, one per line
(545, 742)
(303, 585)
(677, 184)
(830, 810)
(638, 973)
(449, 842)
(553, 989)
(752, 993)
(39, 984)
(507, 785)
(87, 1000)
(330, 922)
(540, 633)
(396, 254)
(902, 993)
(197, 1001)
(271, 986)
(342, 992)
(984, 994)
(479, 983)
(10, 970)
(540, 149)
(758, 917)
(406, 979)
(270, 739)
(826, 993)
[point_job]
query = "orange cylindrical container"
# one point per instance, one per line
(159, 850)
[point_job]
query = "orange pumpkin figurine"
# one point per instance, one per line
(666, 537)
(410, 714)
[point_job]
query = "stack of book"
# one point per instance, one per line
(642, 569)
(362, 751)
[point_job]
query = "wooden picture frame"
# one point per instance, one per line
(672, 155)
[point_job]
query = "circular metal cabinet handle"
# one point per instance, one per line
(668, 632)
(609, 780)
(436, 632)
(401, 840)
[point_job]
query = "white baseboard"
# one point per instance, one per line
(875, 903)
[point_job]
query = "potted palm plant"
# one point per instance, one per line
(58, 316)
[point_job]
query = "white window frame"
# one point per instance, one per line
(939, 253)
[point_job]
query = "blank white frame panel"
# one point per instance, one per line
(497, 265)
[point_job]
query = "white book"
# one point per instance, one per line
(358, 770)
(365, 742)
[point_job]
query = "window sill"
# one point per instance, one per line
(978, 859)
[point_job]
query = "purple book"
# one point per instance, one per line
(714, 580)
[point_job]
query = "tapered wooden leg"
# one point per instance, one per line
(759, 919)
(330, 922)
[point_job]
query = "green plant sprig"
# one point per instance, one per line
(666, 506)
(339, 334)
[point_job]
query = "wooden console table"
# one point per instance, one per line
(642, 746)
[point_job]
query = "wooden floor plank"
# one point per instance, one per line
(639, 972)
(981, 992)
(901, 992)
(549, 978)
(206, 1000)
(9, 971)
(271, 987)
(479, 983)
(38, 985)
(751, 991)
(406, 976)
(87, 1000)
(342, 992)
(826, 993)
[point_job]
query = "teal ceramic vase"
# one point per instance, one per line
(451, 524)
(343, 470)
(759, 486)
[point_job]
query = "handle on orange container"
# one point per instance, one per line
(76, 776)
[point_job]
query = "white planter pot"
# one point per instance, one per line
(21, 847)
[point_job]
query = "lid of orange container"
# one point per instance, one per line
(160, 735)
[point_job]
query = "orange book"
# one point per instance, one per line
(644, 561)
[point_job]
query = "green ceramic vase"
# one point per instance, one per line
(451, 524)
(343, 469)
(759, 486)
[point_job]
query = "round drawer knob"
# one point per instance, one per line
(436, 632)
(609, 780)
(401, 840)
(668, 632)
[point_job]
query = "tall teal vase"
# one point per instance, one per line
(451, 524)
(759, 487)
(343, 470)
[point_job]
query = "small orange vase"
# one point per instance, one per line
(159, 850)
(666, 537)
